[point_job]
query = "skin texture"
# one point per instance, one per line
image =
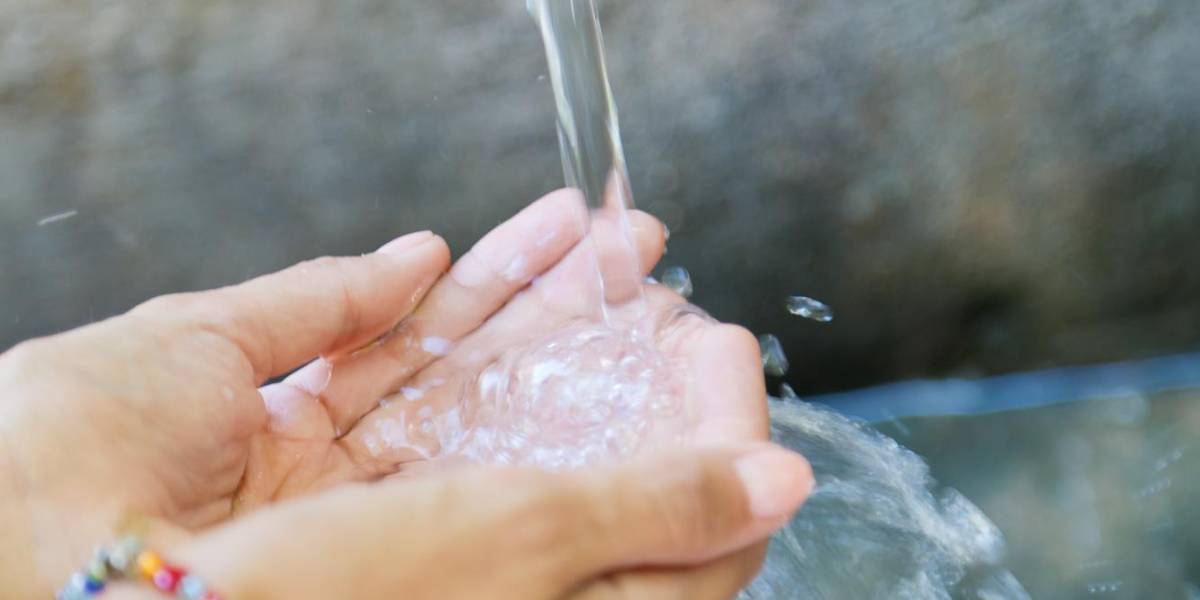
(268, 490)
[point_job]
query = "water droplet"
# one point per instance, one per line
(803, 306)
(437, 346)
(678, 280)
(62, 216)
(774, 361)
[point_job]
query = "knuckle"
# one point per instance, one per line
(319, 263)
(167, 305)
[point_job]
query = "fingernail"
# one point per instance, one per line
(405, 243)
(776, 482)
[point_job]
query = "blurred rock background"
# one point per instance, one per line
(976, 186)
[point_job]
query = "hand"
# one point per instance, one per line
(158, 411)
(658, 527)
(530, 278)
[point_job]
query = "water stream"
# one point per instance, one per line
(873, 528)
(605, 386)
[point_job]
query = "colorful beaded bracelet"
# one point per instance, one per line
(128, 560)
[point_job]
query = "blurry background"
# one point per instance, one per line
(976, 186)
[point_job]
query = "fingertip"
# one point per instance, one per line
(566, 195)
(731, 390)
(404, 243)
(568, 202)
(424, 247)
(776, 481)
(650, 235)
(440, 250)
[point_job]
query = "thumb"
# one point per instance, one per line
(506, 533)
(688, 508)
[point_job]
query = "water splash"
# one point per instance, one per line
(586, 396)
(62, 216)
(803, 306)
(678, 280)
(774, 361)
(873, 527)
(601, 389)
(787, 393)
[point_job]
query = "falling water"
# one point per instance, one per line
(600, 389)
(597, 389)
(873, 528)
(589, 135)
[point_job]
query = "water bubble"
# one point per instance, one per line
(678, 280)
(774, 361)
(803, 306)
(585, 395)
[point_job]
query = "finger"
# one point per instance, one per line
(540, 533)
(688, 508)
(321, 306)
(720, 579)
(728, 386)
(289, 462)
(620, 240)
(567, 291)
(500, 265)
(650, 235)
(572, 288)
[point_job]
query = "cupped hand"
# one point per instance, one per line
(532, 277)
(160, 411)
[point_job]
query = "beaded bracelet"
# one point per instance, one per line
(128, 560)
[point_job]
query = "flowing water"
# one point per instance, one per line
(598, 387)
(873, 528)
(601, 388)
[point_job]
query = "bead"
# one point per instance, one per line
(166, 578)
(79, 581)
(148, 563)
(123, 556)
(98, 567)
(71, 593)
(76, 589)
(94, 586)
(192, 588)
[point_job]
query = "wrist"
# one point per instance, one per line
(17, 566)
(48, 534)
